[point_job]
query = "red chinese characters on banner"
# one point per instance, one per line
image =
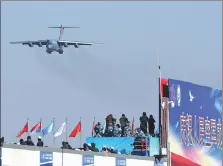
(186, 129)
(189, 129)
(183, 127)
(210, 132)
(201, 126)
(213, 130)
(189, 123)
(207, 129)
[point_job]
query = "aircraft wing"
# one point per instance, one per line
(76, 43)
(37, 42)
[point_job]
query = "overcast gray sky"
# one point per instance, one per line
(119, 77)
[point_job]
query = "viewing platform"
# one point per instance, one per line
(124, 145)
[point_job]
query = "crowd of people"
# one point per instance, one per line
(124, 128)
(139, 144)
(92, 147)
(112, 129)
(29, 142)
(65, 145)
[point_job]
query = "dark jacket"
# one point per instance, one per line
(29, 143)
(123, 121)
(151, 123)
(110, 119)
(112, 151)
(66, 145)
(144, 120)
(93, 148)
(23, 143)
(39, 143)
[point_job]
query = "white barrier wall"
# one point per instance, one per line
(13, 157)
(34, 156)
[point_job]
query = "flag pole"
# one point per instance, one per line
(28, 133)
(160, 94)
(66, 129)
(157, 50)
(81, 134)
(160, 91)
(53, 132)
(41, 127)
(160, 74)
(93, 127)
(167, 121)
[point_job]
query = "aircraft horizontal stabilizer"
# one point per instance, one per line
(63, 27)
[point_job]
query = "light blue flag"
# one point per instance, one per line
(48, 129)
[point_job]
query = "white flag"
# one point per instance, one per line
(60, 130)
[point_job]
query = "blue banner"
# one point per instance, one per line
(121, 144)
(87, 160)
(195, 118)
(120, 161)
(46, 158)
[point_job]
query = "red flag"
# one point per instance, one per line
(133, 126)
(164, 81)
(92, 132)
(76, 130)
(24, 130)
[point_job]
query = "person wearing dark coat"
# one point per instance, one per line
(29, 141)
(151, 125)
(123, 120)
(93, 148)
(69, 146)
(144, 120)
(98, 129)
(22, 142)
(86, 147)
(66, 145)
(113, 150)
(117, 131)
(39, 142)
(110, 120)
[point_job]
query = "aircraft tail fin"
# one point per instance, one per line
(62, 30)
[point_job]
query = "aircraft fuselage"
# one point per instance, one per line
(53, 46)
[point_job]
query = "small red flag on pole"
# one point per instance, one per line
(24, 130)
(76, 130)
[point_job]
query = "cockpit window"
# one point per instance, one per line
(53, 42)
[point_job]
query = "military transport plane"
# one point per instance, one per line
(54, 45)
